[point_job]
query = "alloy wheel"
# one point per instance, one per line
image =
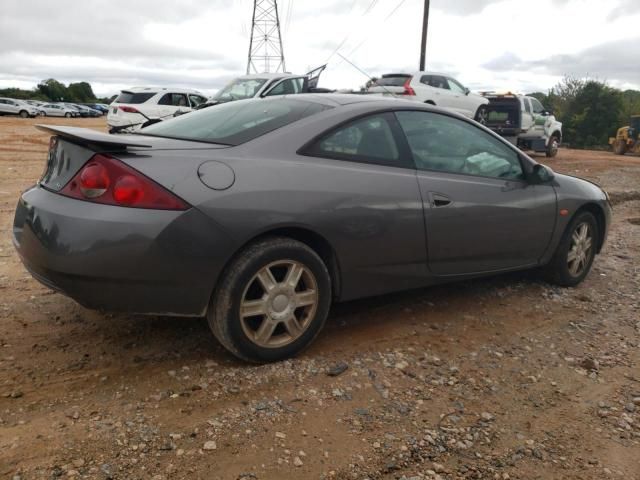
(279, 304)
(580, 249)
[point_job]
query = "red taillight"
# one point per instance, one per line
(124, 108)
(104, 179)
(407, 88)
(94, 180)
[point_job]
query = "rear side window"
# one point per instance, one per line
(392, 80)
(234, 123)
(174, 99)
(134, 98)
(368, 140)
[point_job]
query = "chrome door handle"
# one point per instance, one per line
(439, 200)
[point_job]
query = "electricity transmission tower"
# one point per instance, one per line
(265, 46)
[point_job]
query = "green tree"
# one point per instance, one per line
(53, 90)
(80, 92)
(591, 114)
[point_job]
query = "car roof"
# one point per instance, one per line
(160, 89)
(415, 74)
(339, 99)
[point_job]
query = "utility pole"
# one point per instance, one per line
(265, 46)
(425, 28)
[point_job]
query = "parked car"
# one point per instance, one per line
(86, 111)
(10, 106)
(522, 120)
(104, 109)
(433, 88)
(37, 104)
(136, 106)
(58, 110)
(259, 214)
(266, 85)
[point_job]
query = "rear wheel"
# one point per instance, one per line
(620, 147)
(24, 114)
(552, 147)
(68, 115)
(272, 300)
(574, 256)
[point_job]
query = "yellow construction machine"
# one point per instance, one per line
(628, 138)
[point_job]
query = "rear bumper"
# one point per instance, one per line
(119, 259)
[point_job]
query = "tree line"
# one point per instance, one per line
(51, 90)
(590, 110)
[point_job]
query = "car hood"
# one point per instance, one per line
(579, 186)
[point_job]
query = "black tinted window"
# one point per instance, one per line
(234, 123)
(392, 80)
(369, 139)
(174, 99)
(130, 97)
(442, 143)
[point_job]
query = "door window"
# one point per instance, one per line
(537, 106)
(196, 100)
(287, 87)
(369, 139)
(174, 99)
(438, 81)
(455, 86)
(442, 143)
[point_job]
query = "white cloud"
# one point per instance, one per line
(488, 44)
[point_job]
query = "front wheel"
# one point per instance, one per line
(482, 115)
(272, 300)
(24, 114)
(574, 256)
(552, 147)
(620, 147)
(68, 115)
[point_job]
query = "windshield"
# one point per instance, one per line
(235, 122)
(240, 89)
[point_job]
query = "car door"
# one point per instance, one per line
(528, 119)
(287, 86)
(373, 214)
(4, 108)
(12, 107)
(481, 215)
(459, 98)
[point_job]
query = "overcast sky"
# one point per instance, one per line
(522, 45)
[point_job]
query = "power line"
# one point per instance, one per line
(346, 37)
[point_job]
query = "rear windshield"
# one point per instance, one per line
(234, 123)
(130, 97)
(392, 80)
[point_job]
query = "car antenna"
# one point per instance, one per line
(364, 73)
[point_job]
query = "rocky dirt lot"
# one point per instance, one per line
(505, 378)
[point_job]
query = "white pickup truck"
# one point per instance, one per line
(522, 120)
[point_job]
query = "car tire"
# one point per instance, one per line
(552, 147)
(67, 115)
(620, 147)
(574, 256)
(481, 115)
(272, 300)
(24, 114)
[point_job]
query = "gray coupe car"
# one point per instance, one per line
(259, 214)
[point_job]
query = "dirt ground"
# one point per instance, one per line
(501, 378)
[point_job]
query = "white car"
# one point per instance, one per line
(430, 87)
(135, 106)
(10, 106)
(57, 110)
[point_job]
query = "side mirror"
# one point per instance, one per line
(467, 91)
(541, 174)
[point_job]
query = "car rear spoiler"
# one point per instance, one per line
(86, 135)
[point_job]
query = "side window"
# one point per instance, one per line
(439, 82)
(369, 139)
(527, 105)
(537, 106)
(455, 86)
(174, 99)
(196, 100)
(287, 87)
(445, 144)
(426, 79)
